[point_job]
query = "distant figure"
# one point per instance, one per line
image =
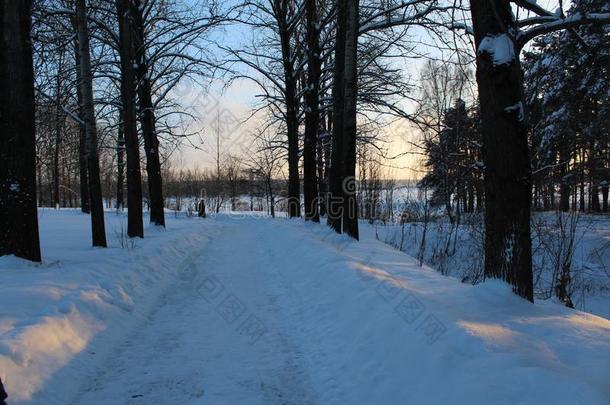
(201, 209)
(3, 395)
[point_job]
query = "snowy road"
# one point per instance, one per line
(214, 336)
(246, 310)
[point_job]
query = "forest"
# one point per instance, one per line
(502, 108)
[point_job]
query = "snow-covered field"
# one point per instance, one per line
(244, 309)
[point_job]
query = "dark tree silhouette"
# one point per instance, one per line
(312, 112)
(18, 215)
(508, 246)
(342, 206)
(135, 227)
(96, 204)
(3, 394)
(506, 155)
(147, 118)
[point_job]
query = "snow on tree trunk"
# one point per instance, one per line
(18, 215)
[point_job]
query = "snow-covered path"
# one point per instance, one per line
(214, 337)
(246, 310)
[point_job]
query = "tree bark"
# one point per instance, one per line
(292, 105)
(564, 187)
(335, 205)
(120, 159)
(82, 133)
(321, 161)
(350, 211)
(594, 205)
(507, 183)
(135, 227)
(98, 231)
(18, 212)
(58, 132)
(312, 114)
(147, 121)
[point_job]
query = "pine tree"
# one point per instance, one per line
(568, 78)
(452, 158)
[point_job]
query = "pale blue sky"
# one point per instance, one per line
(238, 100)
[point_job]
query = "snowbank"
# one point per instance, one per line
(459, 253)
(70, 309)
(375, 328)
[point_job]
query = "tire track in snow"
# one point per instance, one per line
(187, 353)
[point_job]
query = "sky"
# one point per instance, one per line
(233, 105)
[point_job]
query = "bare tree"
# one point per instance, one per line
(312, 112)
(265, 165)
(98, 231)
(135, 227)
(147, 115)
(276, 59)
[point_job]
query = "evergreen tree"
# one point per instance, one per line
(568, 95)
(452, 158)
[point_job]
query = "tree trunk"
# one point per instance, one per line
(321, 162)
(82, 134)
(350, 210)
(58, 130)
(312, 115)
(120, 159)
(98, 231)
(582, 192)
(335, 204)
(605, 181)
(594, 206)
(564, 187)
(18, 213)
(507, 183)
(147, 121)
(292, 121)
(135, 227)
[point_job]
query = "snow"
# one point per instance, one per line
(518, 108)
(499, 47)
(458, 252)
(244, 309)
(51, 313)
